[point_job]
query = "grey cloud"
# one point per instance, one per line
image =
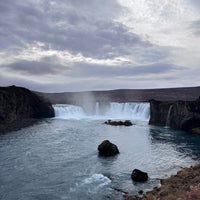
(88, 28)
(106, 38)
(34, 67)
(31, 84)
(88, 70)
(195, 26)
(196, 3)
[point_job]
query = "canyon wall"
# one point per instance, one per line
(184, 115)
(18, 103)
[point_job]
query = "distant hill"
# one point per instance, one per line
(123, 95)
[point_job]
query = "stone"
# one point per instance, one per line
(118, 123)
(196, 130)
(106, 148)
(141, 192)
(139, 176)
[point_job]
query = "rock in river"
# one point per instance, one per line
(118, 123)
(106, 148)
(139, 176)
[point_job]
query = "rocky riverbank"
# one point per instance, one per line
(19, 107)
(183, 115)
(185, 185)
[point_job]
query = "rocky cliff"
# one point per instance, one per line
(184, 115)
(18, 103)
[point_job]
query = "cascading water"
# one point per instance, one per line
(167, 125)
(113, 110)
(64, 111)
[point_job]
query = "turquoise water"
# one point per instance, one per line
(57, 159)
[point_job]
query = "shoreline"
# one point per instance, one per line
(17, 125)
(185, 185)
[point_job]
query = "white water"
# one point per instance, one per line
(97, 178)
(91, 184)
(167, 125)
(132, 111)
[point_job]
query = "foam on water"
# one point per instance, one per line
(98, 179)
(91, 184)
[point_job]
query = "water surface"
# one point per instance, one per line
(58, 159)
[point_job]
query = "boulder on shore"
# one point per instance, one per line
(106, 148)
(118, 123)
(139, 176)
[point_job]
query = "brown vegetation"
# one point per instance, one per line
(185, 185)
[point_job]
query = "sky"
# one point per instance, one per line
(80, 45)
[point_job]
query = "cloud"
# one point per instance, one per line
(70, 26)
(196, 3)
(102, 71)
(195, 26)
(86, 41)
(33, 67)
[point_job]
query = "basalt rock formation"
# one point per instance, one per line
(118, 123)
(139, 176)
(184, 115)
(18, 104)
(106, 148)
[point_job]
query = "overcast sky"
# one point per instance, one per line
(77, 45)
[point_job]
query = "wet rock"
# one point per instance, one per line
(141, 192)
(139, 176)
(196, 130)
(106, 148)
(184, 115)
(119, 123)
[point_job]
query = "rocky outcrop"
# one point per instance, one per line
(106, 148)
(184, 115)
(182, 186)
(196, 130)
(17, 103)
(139, 176)
(118, 123)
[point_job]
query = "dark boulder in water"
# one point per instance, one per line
(118, 123)
(106, 148)
(19, 104)
(139, 176)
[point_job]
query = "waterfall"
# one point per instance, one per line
(64, 111)
(167, 125)
(132, 111)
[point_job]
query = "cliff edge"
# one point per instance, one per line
(19, 106)
(184, 115)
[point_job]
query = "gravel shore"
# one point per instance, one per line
(185, 185)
